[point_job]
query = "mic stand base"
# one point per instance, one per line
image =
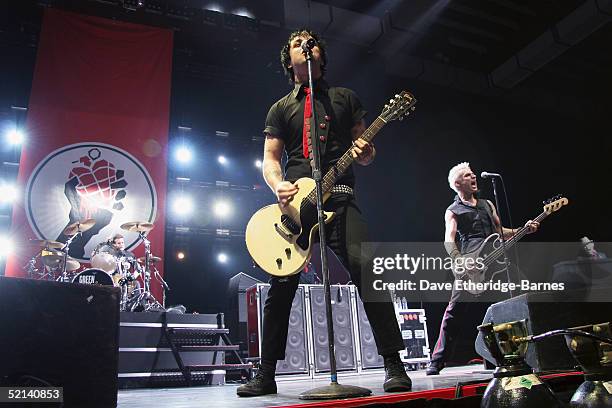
(335, 391)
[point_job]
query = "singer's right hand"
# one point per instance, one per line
(285, 191)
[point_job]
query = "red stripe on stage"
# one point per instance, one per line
(441, 393)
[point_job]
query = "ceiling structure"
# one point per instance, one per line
(534, 52)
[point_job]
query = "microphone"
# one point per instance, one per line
(486, 174)
(308, 45)
(339, 295)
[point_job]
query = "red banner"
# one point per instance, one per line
(97, 132)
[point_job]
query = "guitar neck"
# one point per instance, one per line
(492, 257)
(338, 169)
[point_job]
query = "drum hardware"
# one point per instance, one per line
(52, 260)
(64, 250)
(145, 299)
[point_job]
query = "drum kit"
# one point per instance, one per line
(110, 265)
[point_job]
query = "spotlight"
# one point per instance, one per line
(8, 193)
(222, 258)
(6, 246)
(180, 255)
(183, 154)
(182, 205)
(14, 136)
(258, 163)
(222, 208)
(222, 160)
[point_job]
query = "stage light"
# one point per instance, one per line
(180, 255)
(183, 154)
(182, 205)
(243, 12)
(222, 257)
(14, 136)
(222, 208)
(8, 193)
(222, 160)
(6, 246)
(258, 163)
(214, 7)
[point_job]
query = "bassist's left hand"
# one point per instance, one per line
(532, 226)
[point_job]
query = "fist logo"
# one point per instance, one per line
(95, 188)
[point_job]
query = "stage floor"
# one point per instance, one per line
(288, 390)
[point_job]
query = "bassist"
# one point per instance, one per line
(469, 220)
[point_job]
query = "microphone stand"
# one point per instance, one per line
(503, 240)
(333, 390)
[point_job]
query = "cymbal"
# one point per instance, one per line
(72, 264)
(56, 259)
(45, 243)
(152, 259)
(137, 226)
(79, 226)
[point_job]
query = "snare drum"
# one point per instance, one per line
(93, 277)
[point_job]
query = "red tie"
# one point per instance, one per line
(306, 129)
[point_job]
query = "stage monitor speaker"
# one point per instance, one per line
(61, 334)
(236, 312)
(296, 352)
(343, 328)
(544, 313)
(368, 351)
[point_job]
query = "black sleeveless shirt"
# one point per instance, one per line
(474, 223)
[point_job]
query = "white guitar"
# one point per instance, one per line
(279, 239)
(485, 257)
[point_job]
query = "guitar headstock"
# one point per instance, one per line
(399, 106)
(555, 203)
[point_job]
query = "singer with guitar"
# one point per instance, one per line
(469, 220)
(340, 122)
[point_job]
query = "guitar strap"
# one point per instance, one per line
(489, 209)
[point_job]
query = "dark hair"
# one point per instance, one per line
(115, 237)
(285, 58)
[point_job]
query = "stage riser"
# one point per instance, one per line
(146, 331)
(163, 359)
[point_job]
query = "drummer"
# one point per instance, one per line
(116, 247)
(117, 242)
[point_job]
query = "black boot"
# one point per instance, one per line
(396, 379)
(434, 368)
(262, 384)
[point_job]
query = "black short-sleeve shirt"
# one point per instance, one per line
(338, 110)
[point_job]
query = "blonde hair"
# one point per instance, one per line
(454, 173)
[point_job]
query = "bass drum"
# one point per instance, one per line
(93, 277)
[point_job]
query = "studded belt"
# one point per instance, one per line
(342, 189)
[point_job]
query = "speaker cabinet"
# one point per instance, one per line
(368, 351)
(296, 353)
(236, 312)
(61, 334)
(343, 328)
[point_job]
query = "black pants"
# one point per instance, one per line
(461, 317)
(344, 236)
